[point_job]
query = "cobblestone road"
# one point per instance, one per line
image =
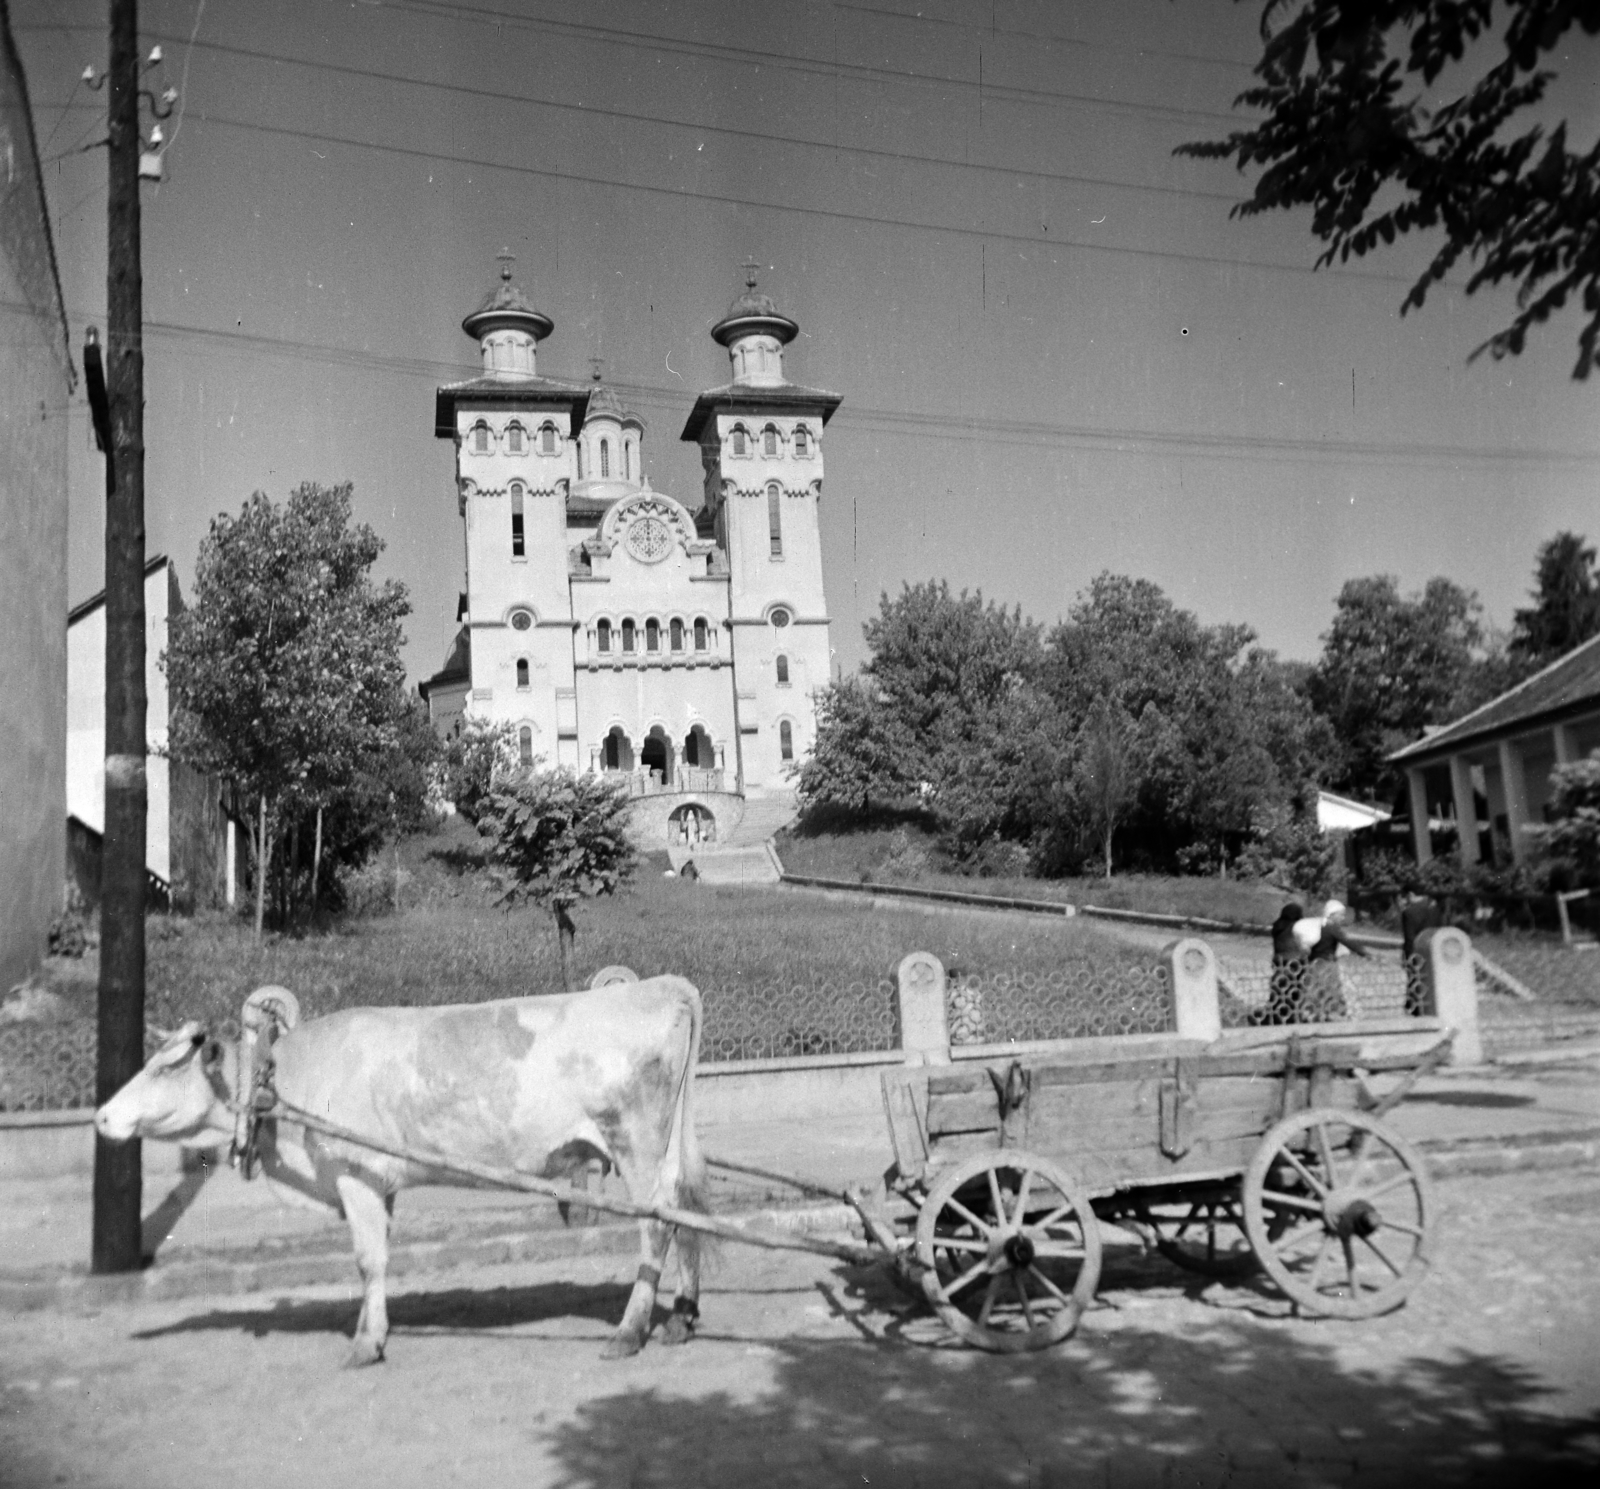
(807, 1373)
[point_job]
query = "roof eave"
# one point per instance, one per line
(788, 395)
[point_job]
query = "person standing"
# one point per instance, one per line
(1323, 941)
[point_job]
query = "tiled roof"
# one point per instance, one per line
(738, 397)
(1567, 683)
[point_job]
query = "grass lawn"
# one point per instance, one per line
(449, 944)
(909, 855)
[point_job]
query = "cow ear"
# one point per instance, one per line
(213, 1054)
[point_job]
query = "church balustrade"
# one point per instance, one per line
(686, 779)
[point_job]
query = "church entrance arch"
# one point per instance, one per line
(655, 754)
(691, 824)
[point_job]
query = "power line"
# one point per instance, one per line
(920, 19)
(323, 137)
(658, 121)
(943, 426)
(656, 43)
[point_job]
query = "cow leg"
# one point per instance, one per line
(368, 1214)
(654, 1239)
(686, 1305)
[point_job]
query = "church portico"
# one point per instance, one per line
(618, 629)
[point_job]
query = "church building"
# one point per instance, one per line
(622, 630)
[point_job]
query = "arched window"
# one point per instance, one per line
(769, 441)
(780, 618)
(627, 460)
(785, 740)
(547, 440)
(738, 440)
(602, 636)
(580, 462)
(480, 438)
(775, 519)
(616, 752)
(802, 442)
(522, 672)
(676, 634)
(525, 744)
(628, 636)
(605, 459)
(514, 439)
(518, 543)
(701, 636)
(652, 634)
(783, 670)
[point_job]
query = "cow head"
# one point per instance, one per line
(181, 1095)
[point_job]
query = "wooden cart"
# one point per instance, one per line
(1274, 1158)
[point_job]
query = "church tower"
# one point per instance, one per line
(761, 448)
(515, 435)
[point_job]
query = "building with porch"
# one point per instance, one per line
(1490, 770)
(622, 630)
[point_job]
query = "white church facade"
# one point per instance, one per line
(620, 630)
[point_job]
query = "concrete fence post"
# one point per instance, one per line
(1453, 990)
(1196, 1009)
(924, 1029)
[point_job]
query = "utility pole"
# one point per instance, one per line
(117, 1244)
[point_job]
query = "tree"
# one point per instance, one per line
(1106, 782)
(1391, 666)
(862, 755)
(1350, 132)
(473, 760)
(557, 837)
(1572, 836)
(1566, 602)
(285, 672)
(1215, 725)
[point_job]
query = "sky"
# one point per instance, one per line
(1058, 355)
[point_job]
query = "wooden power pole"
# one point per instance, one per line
(117, 1179)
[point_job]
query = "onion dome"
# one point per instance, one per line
(754, 314)
(505, 308)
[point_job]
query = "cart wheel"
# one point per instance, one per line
(1011, 1252)
(1338, 1207)
(1203, 1233)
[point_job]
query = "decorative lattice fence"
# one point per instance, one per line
(780, 1020)
(1068, 1003)
(1256, 992)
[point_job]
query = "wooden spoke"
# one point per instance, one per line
(1291, 1201)
(1054, 1217)
(1315, 1279)
(1325, 1148)
(988, 1300)
(1050, 1287)
(1400, 1225)
(1350, 1264)
(997, 1199)
(1394, 1181)
(962, 1243)
(982, 1227)
(1022, 1294)
(1057, 1252)
(972, 1274)
(1022, 1199)
(1298, 1238)
(1381, 1254)
(1316, 1184)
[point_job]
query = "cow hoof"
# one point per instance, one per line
(621, 1347)
(679, 1329)
(364, 1352)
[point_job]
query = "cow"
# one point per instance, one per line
(541, 1085)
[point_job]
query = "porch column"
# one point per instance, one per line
(1566, 744)
(1516, 789)
(1466, 810)
(1419, 814)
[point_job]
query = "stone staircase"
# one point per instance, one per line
(742, 857)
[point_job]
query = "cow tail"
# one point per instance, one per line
(692, 1192)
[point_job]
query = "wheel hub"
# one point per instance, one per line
(1353, 1217)
(1019, 1251)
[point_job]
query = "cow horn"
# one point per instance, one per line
(271, 1002)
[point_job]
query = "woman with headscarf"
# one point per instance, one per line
(1323, 941)
(1288, 970)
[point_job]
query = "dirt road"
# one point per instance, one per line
(808, 1373)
